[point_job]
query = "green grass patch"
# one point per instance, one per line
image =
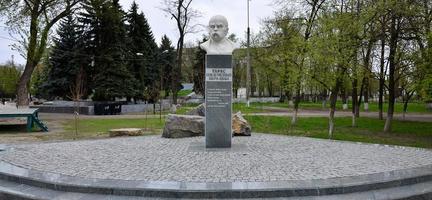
(183, 109)
(183, 93)
(369, 130)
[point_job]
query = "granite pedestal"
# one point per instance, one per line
(218, 95)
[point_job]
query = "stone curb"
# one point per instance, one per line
(318, 187)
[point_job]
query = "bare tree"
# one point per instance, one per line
(183, 14)
(40, 16)
(77, 91)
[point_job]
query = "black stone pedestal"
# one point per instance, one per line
(218, 95)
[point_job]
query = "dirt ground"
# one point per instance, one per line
(13, 130)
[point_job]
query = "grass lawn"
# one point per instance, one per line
(183, 93)
(184, 108)
(369, 130)
(414, 107)
(416, 134)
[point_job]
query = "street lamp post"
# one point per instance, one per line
(248, 75)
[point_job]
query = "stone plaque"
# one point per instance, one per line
(218, 95)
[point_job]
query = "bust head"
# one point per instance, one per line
(217, 43)
(218, 28)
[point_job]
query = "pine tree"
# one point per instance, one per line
(143, 53)
(135, 43)
(65, 60)
(111, 75)
(166, 63)
(90, 22)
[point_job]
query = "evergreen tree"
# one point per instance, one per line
(65, 60)
(90, 23)
(111, 75)
(143, 53)
(166, 63)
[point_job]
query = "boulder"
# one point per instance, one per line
(240, 126)
(180, 126)
(125, 132)
(199, 110)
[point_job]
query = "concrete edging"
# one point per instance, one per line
(318, 187)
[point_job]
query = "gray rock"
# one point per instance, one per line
(240, 126)
(199, 110)
(180, 126)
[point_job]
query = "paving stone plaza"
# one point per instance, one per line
(260, 158)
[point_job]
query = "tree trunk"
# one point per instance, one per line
(22, 90)
(331, 123)
(388, 122)
(296, 106)
(294, 117)
(24, 81)
(177, 78)
(394, 34)
(354, 97)
(344, 99)
(354, 102)
(367, 75)
(366, 99)
(408, 96)
(324, 99)
(357, 108)
(381, 78)
(258, 85)
(270, 86)
(353, 120)
(333, 99)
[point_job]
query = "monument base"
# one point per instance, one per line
(218, 97)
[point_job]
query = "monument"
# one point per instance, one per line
(218, 84)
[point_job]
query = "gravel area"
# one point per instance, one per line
(260, 158)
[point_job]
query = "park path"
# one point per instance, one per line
(422, 117)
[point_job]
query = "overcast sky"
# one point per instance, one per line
(234, 10)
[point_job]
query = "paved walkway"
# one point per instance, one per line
(260, 158)
(422, 117)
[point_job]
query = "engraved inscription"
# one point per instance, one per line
(217, 97)
(219, 74)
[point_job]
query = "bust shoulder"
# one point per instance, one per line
(205, 45)
(224, 47)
